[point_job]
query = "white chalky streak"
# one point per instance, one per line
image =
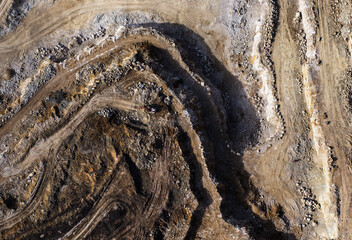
(322, 154)
(265, 75)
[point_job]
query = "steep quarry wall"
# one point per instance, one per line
(175, 119)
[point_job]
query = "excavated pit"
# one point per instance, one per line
(175, 120)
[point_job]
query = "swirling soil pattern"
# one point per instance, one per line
(211, 119)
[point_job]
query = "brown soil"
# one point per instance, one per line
(175, 120)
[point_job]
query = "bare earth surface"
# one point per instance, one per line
(185, 119)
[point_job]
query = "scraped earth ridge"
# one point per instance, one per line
(179, 119)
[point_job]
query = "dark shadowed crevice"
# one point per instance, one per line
(136, 174)
(200, 192)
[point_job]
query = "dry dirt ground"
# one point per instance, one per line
(184, 119)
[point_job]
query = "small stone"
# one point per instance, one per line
(8, 73)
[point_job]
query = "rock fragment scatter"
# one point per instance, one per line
(175, 119)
